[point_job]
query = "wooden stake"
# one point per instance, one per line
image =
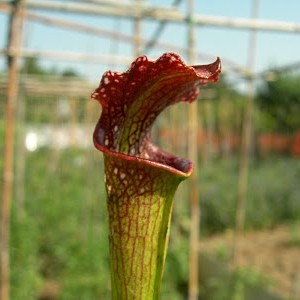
(10, 112)
(193, 155)
(137, 28)
(245, 148)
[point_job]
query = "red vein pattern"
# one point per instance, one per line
(141, 179)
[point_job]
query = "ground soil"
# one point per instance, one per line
(275, 253)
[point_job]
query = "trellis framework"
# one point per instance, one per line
(21, 9)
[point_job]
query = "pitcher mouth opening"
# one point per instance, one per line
(159, 158)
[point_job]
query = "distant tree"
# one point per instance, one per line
(69, 73)
(32, 66)
(279, 103)
(228, 105)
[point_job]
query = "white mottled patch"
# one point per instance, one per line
(106, 80)
(109, 188)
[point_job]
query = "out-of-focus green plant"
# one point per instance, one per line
(294, 234)
(26, 279)
(279, 104)
(273, 202)
(80, 264)
(241, 284)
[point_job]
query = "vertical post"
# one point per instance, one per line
(14, 41)
(246, 144)
(19, 188)
(137, 30)
(193, 155)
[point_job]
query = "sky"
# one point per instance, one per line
(273, 49)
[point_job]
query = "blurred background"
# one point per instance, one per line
(241, 208)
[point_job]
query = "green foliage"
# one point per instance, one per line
(26, 280)
(273, 193)
(67, 229)
(218, 281)
(279, 104)
(240, 284)
(218, 193)
(63, 235)
(69, 73)
(223, 112)
(294, 238)
(176, 271)
(32, 66)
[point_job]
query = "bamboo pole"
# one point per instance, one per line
(158, 31)
(127, 38)
(120, 10)
(108, 59)
(137, 30)
(74, 56)
(168, 14)
(245, 146)
(210, 128)
(14, 38)
(193, 155)
(19, 186)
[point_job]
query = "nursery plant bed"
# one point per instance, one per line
(274, 253)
